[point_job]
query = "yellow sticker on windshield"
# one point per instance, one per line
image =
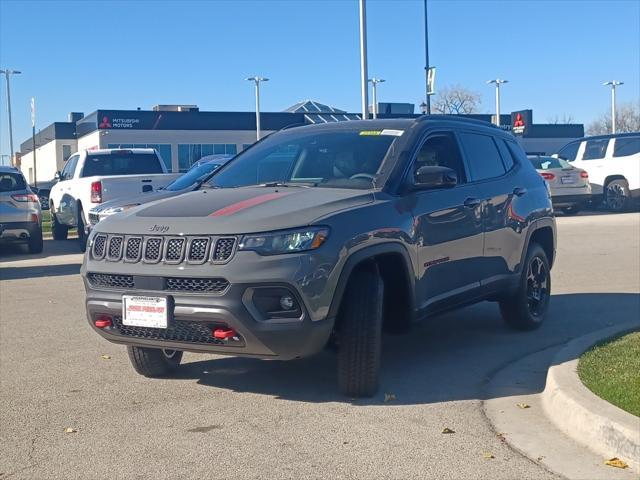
(370, 132)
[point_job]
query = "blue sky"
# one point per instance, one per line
(84, 55)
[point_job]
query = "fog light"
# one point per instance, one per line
(287, 302)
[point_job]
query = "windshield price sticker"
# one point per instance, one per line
(389, 131)
(369, 133)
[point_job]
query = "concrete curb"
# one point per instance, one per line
(604, 428)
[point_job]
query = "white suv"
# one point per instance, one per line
(613, 165)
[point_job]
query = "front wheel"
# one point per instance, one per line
(526, 308)
(360, 332)
(154, 362)
(617, 195)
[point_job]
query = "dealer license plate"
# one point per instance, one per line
(567, 179)
(138, 311)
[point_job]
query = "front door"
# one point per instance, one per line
(447, 228)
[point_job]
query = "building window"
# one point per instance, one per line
(66, 152)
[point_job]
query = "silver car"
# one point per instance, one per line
(20, 214)
(569, 186)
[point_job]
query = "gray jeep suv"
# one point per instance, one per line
(327, 235)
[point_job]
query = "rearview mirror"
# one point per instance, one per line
(429, 177)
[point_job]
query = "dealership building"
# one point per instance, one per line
(182, 134)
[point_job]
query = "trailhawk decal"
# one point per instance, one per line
(244, 204)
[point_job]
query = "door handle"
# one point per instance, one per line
(471, 202)
(519, 191)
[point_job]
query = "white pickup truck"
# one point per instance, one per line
(96, 176)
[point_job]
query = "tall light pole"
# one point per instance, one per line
(7, 73)
(426, 60)
(374, 83)
(498, 82)
(364, 87)
(614, 84)
(257, 81)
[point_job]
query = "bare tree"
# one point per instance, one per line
(456, 100)
(558, 120)
(627, 120)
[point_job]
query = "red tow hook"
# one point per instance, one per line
(224, 333)
(102, 321)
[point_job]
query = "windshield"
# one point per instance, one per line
(547, 163)
(121, 163)
(190, 178)
(340, 159)
(10, 182)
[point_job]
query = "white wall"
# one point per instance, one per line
(49, 160)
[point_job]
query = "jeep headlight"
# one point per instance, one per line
(287, 241)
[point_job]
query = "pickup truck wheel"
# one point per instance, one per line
(616, 195)
(154, 362)
(59, 231)
(526, 308)
(35, 241)
(82, 236)
(360, 332)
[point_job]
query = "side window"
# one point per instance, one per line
(441, 149)
(569, 152)
(483, 156)
(70, 168)
(625, 146)
(595, 149)
(505, 153)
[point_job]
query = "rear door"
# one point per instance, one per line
(448, 227)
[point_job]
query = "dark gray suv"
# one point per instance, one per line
(327, 235)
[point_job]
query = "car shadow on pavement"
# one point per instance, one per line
(11, 252)
(16, 273)
(448, 358)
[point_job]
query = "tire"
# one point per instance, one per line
(35, 241)
(59, 231)
(572, 210)
(526, 308)
(617, 196)
(82, 236)
(154, 362)
(360, 332)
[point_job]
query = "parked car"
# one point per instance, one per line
(43, 191)
(95, 176)
(220, 158)
(20, 214)
(186, 183)
(613, 164)
(326, 234)
(569, 186)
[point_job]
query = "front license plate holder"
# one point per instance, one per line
(146, 311)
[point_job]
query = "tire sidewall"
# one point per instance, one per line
(535, 251)
(625, 189)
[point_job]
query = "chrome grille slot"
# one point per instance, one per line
(152, 250)
(198, 249)
(108, 280)
(114, 248)
(99, 243)
(174, 250)
(223, 249)
(196, 285)
(133, 249)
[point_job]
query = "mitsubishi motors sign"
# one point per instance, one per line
(520, 121)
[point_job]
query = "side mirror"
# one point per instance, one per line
(57, 176)
(430, 177)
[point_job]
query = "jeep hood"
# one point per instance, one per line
(234, 210)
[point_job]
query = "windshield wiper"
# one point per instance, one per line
(289, 184)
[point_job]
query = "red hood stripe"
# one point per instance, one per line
(244, 204)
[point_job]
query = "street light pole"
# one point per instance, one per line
(498, 82)
(7, 73)
(426, 60)
(614, 84)
(364, 86)
(374, 82)
(257, 81)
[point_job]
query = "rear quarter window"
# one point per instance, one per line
(121, 164)
(626, 146)
(10, 182)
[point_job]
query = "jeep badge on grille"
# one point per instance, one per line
(159, 228)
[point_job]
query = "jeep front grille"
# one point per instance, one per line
(215, 285)
(169, 250)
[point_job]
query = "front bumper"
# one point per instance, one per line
(200, 313)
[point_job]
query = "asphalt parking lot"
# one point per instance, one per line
(241, 418)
